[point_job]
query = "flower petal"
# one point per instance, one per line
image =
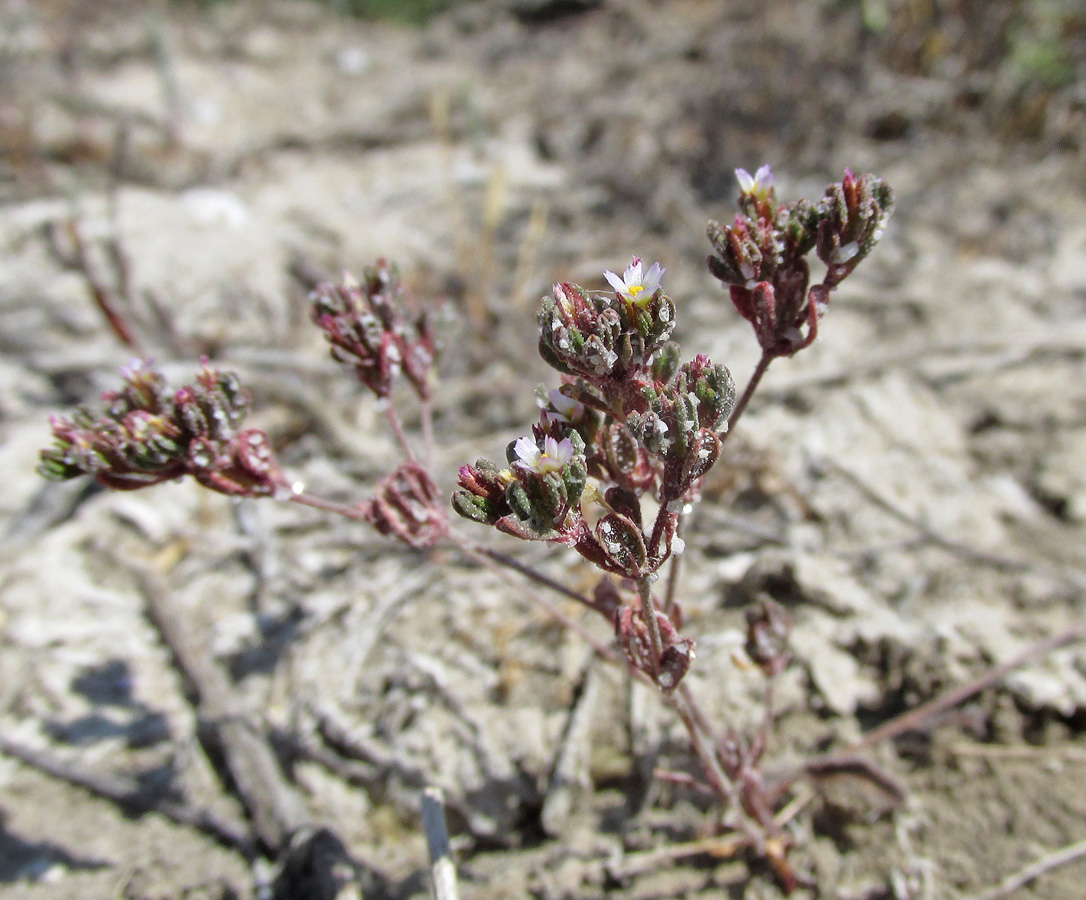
(617, 283)
(527, 452)
(652, 278)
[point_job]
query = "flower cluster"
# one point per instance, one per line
(762, 254)
(407, 505)
(598, 336)
(375, 331)
(628, 420)
(538, 496)
(145, 435)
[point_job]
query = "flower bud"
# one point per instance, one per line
(712, 386)
(405, 505)
(768, 627)
(851, 220)
(598, 337)
(623, 545)
(374, 329)
(666, 363)
(484, 496)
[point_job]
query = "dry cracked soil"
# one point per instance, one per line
(912, 488)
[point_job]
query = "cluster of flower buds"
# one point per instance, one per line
(762, 256)
(407, 505)
(145, 435)
(538, 496)
(627, 414)
(598, 336)
(375, 330)
(681, 422)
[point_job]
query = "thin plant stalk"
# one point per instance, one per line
(752, 386)
(531, 574)
(330, 506)
(648, 613)
(674, 566)
(426, 417)
(396, 424)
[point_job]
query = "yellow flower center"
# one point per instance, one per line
(548, 464)
(636, 289)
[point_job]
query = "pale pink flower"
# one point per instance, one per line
(636, 285)
(757, 185)
(565, 409)
(554, 456)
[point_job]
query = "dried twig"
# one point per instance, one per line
(276, 810)
(1034, 870)
(633, 864)
(921, 716)
(1022, 752)
(131, 795)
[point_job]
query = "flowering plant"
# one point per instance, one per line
(617, 456)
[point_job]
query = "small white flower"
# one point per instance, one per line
(554, 456)
(566, 409)
(636, 285)
(757, 185)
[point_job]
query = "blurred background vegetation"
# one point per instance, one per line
(413, 12)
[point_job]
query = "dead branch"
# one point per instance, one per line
(130, 795)
(312, 861)
(1034, 870)
(275, 808)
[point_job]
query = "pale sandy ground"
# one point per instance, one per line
(914, 486)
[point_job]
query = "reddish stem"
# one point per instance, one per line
(426, 414)
(339, 509)
(674, 565)
(752, 386)
(102, 296)
(648, 614)
(531, 574)
(710, 765)
(397, 429)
